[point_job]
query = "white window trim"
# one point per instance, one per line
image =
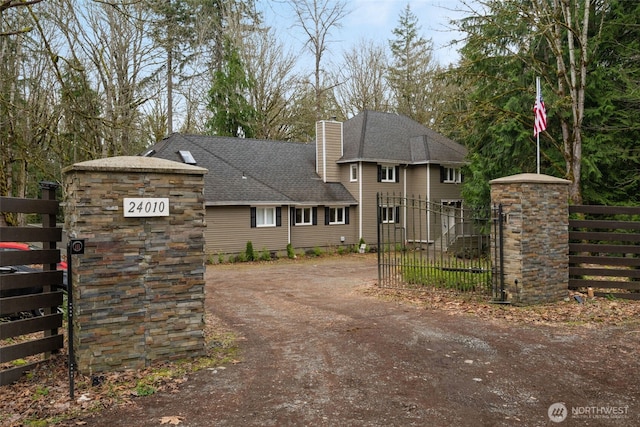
(353, 173)
(391, 214)
(259, 217)
(342, 208)
(310, 216)
(385, 176)
(457, 175)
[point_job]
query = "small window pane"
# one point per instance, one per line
(388, 214)
(388, 174)
(303, 216)
(265, 217)
(336, 216)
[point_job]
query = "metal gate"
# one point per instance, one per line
(445, 245)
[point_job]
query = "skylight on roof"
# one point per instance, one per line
(187, 157)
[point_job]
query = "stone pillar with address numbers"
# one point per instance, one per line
(138, 289)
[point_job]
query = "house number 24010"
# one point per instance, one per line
(146, 206)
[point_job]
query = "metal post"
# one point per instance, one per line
(71, 358)
(501, 249)
(379, 224)
(74, 247)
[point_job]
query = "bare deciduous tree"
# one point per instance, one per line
(271, 70)
(362, 83)
(317, 18)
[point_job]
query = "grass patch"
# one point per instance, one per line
(459, 275)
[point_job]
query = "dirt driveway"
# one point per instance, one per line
(316, 350)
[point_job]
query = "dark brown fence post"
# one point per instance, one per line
(49, 221)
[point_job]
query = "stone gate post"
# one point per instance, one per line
(138, 288)
(536, 240)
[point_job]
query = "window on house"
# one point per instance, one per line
(304, 216)
(336, 216)
(387, 174)
(450, 175)
(388, 214)
(187, 157)
(266, 216)
(354, 173)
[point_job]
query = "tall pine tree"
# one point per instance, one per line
(412, 70)
(233, 115)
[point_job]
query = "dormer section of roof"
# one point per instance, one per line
(329, 149)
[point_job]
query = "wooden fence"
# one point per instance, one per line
(33, 288)
(604, 250)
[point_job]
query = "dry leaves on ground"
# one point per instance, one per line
(171, 420)
(42, 396)
(592, 311)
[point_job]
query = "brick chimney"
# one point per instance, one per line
(328, 149)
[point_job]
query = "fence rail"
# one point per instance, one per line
(30, 287)
(604, 250)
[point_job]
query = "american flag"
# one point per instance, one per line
(540, 122)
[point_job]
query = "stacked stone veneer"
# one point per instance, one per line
(536, 241)
(139, 287)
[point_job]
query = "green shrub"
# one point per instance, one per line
(241, 257)
(265, 255)
(290, 252)
(249, 253)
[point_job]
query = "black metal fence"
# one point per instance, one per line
(443, 245)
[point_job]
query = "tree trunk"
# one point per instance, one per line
(169, 91)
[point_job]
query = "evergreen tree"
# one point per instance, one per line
(612, 110)
(233, 115)
(412, 70)
(506, 47)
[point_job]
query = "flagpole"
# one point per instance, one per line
(538, 153)
(538, 134)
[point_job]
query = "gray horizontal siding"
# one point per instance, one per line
(229, 229)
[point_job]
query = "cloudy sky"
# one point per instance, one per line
(374, 20)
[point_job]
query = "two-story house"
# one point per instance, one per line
(322, 194)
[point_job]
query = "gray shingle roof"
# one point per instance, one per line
(387, 137)
(252, 171)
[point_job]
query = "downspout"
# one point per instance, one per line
(324, 151)
(360, 208)
(404, 208)
(288, 224)
(428, 201)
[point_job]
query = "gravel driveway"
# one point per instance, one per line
(316, 350)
